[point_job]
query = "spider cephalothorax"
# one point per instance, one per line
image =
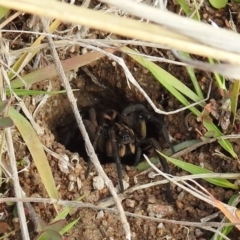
(121, 135)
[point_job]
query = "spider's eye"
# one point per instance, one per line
(125, 137)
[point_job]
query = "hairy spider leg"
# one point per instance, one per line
(142, 133)
(138, 154)
(158, 123)
(164, 164)
(134, 108)
(117, 158)
(146, 114)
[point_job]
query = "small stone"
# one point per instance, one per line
(152, 199)
(77, 168)
(100, 215)
(79, 183)
(72, 178)
(73, 211)
(160, 211)
(180, 195)
(71, 186)
(98, 183)
(130, 203)
(198, 232)
(179, 204)
(63, 164)
(161, 226)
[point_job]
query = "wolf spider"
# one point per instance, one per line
(125, 134)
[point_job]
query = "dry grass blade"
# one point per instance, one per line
(36, 150)
(204, 33)
(27, 56)
(133, 28)
(230, 212)
(50, 71)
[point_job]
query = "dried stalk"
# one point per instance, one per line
(14, 175)
(204, 225)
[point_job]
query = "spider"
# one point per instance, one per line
(121, 135)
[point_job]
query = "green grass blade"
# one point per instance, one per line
(192, 76)
(5, 122)
(142, 166)
(177, 89)
(3, 11)
(50, 235)
(198, 170)
(69, 226)
(223, 142)
(219, 79)
(35, 147)
(65, 211)
(234, 98)
(218, 3)
(62, 214)
(184, 6)
(187, 10)
(226, 230)
(165, 78)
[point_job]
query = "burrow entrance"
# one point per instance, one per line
(109, 92)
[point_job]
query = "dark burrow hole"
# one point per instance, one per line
(67, 132)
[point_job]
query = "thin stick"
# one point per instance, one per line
(14, 178)
(89, 148)
(16, 185)
(204, 225)
(79, 204)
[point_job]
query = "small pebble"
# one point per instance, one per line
(179, 204)
(152, 199)
(130, 203)
(161, 226)
(71, 186)
(63, 165)
(180, 195)
(100, 215)
(72, 178)
(198, 232)
(98, 183)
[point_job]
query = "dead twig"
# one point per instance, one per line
(14, 177)
(205, 225)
